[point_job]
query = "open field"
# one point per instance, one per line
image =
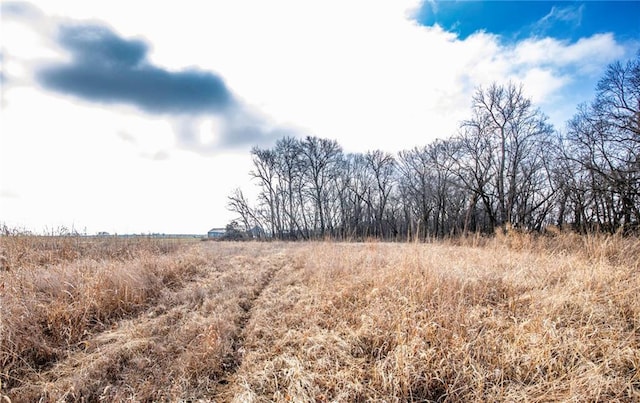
(511, 318)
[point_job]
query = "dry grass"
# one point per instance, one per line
(509, 318)
(148, 321)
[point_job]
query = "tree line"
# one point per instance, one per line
(505, 167)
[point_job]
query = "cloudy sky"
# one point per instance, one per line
(138, 117)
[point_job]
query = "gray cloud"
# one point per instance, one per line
(126, 137)
(3, 77)
(19, 9)
(239, 128)
(160, 156)
(8, 194)
(249, 127)
(106, 68)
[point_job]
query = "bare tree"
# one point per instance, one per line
(289, 169)
(517, 134)
(239, 204)
(473, 166)
(381, 166)
(415, 186)
(356, 192)
(264, 163)
(321, 157)
(603, 141)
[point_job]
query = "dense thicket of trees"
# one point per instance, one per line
(506, 166)
(601, 176)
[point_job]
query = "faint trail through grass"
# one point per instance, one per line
(234, 359)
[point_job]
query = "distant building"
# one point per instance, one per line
(216, 232)
(256, 232)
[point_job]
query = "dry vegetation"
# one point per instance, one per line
(509, 318)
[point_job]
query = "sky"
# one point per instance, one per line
(139, 117)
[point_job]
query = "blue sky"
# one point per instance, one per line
(517, 20)
(128, 118)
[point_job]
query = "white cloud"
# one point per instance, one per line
(585, 55)
(566, 14)
(541, 82)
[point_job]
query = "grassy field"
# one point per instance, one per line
(509, 318)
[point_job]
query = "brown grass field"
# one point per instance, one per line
(509, 318)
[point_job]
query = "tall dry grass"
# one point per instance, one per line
(514, 317)
(519, 319)
(56, 292)
(118, 319)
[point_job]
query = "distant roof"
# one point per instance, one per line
(217, 229)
